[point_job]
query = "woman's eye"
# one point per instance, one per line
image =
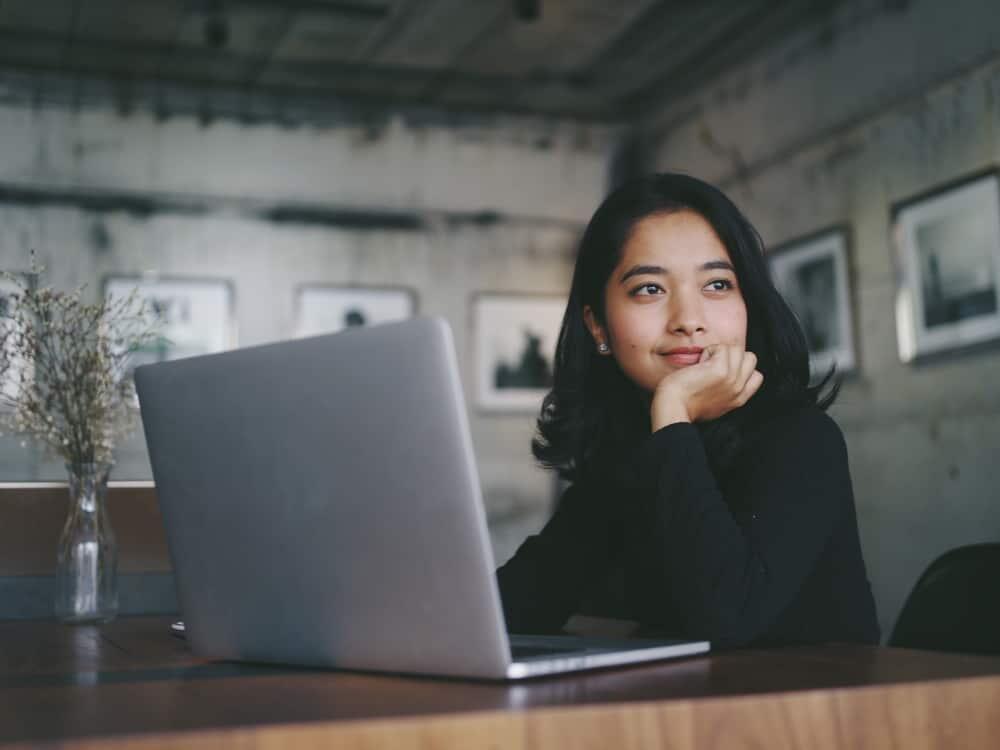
(646, 290)
(720, 285)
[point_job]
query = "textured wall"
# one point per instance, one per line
(446, 208)
(882, 102)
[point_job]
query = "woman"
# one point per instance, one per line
(710, 494)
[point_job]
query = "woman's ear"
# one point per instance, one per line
(596, 330)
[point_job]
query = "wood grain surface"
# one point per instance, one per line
(132, 683)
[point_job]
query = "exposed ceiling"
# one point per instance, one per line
(585, 59)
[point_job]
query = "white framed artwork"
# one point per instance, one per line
(947, 246)
(324, 309)
(18, 368)
(515, 343)
(194, 315)
(812, 274)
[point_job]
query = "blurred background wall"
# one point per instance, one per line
(459, 148)
(445, 210)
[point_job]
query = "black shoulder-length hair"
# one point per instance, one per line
(593, 412)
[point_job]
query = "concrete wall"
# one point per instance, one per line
(447, 208)
(881, 102)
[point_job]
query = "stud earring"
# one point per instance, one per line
(603, 348)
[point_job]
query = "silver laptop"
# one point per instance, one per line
(322, 508)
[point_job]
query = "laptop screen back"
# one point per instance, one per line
(322, 504)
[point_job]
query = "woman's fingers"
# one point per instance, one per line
(725, 379)
(730, 366)
(736, 357)
(753, 384)
(708, 353)
(742, 377)
(748, 365)
(750, 378)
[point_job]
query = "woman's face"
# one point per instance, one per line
(673, 293)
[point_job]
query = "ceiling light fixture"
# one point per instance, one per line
(216, 33)
(216, 26)
(528, 10)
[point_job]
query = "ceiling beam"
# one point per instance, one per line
(372, 11)
(735, 43)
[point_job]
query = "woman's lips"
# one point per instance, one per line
(683, 356)
(682, 360)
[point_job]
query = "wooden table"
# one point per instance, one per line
(131, 682)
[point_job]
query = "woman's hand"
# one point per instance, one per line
(724, 379)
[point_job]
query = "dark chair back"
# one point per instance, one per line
(955, 605)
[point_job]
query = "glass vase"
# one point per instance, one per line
(87, 559)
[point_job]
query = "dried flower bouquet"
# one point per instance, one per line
(64, 377)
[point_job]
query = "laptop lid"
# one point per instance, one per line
(322, 504)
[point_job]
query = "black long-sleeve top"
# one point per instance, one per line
(769, 554)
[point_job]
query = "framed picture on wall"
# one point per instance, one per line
(8, 326)
(514, 342)
(323, 309)
(947, 246)
(812, 275)
(195, 316)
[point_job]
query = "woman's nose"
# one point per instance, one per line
(686, 316)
